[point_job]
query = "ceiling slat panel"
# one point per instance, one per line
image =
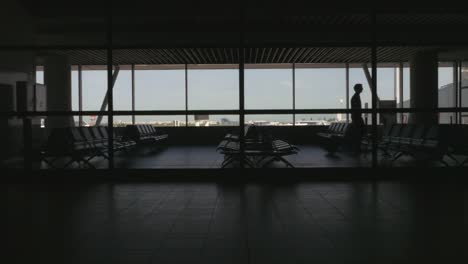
(230, 55)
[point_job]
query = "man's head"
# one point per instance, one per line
(358, 88)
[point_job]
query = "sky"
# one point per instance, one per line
(218, 90)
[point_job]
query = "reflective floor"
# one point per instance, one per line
(388, 222)
(207, 157)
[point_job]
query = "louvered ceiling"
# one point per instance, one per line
(229, 55)
(423, 19)
(315, 20)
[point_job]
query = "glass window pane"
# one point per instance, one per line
(94, 87)
(122, 91)
(214, 89)
(445, 76)
(446, 97)
(268, 88)
(320, 88)
(75, 89)
(386, 83)
(159, 89)
(40, 75)
(406, 86)
(464, 92)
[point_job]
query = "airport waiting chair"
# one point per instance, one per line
(463, 146)
(384, 140)
(144, 134)
(434, 146)
(101, 135)
(85, 144)
(100, 147)
(58, 147)
(280, 149)
(391, 138)
(155, 134)
(404, 136)
(119, 141)
(261, 149)
(430, 147)
(406, 143)
(68, 143)
(335, 136)
(250, 137)
(457, 143)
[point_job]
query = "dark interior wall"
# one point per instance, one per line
(16, 25)
(14, 66)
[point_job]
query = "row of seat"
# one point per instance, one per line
(260, 148)
(336, 129)
(418, 140)
(334, 136)
(144, 134)
(81, 145)
(458, 141)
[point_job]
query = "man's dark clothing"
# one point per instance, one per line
(356, 117)
(357, 122)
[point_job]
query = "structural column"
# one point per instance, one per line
(57, 78)
(424, 87)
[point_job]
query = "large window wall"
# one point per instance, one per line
(161, 88)
(196, 96)
(214, 87)
(267, 87)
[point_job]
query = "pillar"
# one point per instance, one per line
(424, 87)
(57, 78)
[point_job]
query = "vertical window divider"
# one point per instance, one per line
(456, 88)
(110, 93)
(395, 84)
(294, 92)
(186, 95)
(401, 89)
(241, 103)
(241, 88)
(374, 84)
(347, 91)
(80, 94)
(133, 94)
(460, 90)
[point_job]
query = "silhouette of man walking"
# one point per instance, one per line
(356, 118)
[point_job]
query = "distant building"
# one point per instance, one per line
(446, 99)
(201, 117)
